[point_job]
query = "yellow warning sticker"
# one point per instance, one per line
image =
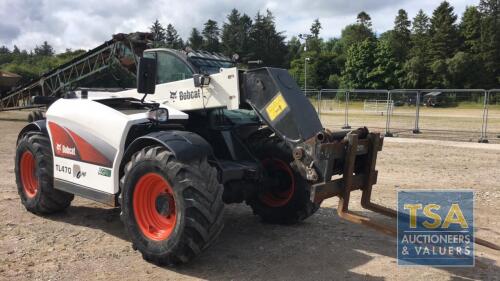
(276, 107)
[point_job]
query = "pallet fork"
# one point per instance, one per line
(363, 181)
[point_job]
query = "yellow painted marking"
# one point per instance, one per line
(276, 107)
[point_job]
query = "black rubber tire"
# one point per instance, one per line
(198, 201)
(31, 117)
(264, 146)
(47, 200)
(35, 116)
(38, 115)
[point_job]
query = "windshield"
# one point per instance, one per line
(209, 63)
(170, 66)
(209, 66)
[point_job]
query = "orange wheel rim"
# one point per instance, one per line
(28, 174)
(154, 207)
(285, 194)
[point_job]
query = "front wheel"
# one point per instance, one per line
(171, 210)
(285, 196)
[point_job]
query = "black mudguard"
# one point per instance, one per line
(38, 126)
(185, 146)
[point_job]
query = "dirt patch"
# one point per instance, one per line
(88, 240)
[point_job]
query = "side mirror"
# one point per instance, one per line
(146, 76)
(201, 80)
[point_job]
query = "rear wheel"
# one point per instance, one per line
(31, 117)
(35, 178)
(285, 196)
(171, 210)
(35, 116)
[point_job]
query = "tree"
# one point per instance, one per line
(4, 50)
(470, 30)
(386, 73)
(443, 32)
(440, 76)
(314, 42)
(490, 40)
(356, 33)
(321, 64)
(211, 35)
(444, 41)
(416, 73)
(315, 28)
(297, 71)
(159, 35)
(195, 40)
(246, 26)
(235, 34)
(231, 33)
(44, 50)
(172, 39)
(417, 66)
(464, 71)
(16, 50)
(33, 63)
(319, 68)
(266, 43)
(420, 36)
(364, 19)
(327, 70)
(294, 50)
(489, 6)
(359, 64)
(5, 55)
(400, 41)
(466, 64)
(335, 49)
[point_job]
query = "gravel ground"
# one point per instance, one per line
(88, 241)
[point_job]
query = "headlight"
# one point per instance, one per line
(158, 114)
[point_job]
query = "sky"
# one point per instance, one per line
(84, 24)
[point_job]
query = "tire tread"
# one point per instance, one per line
(263, 144)
(203, 209)
(49, 200)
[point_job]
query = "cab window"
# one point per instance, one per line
(169, 67)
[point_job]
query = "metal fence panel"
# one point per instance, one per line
(457, 114)
(491, 117)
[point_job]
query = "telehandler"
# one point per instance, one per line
(196, 134)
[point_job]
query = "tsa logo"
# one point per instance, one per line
(435, 228)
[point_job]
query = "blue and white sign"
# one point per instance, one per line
(436, 228)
